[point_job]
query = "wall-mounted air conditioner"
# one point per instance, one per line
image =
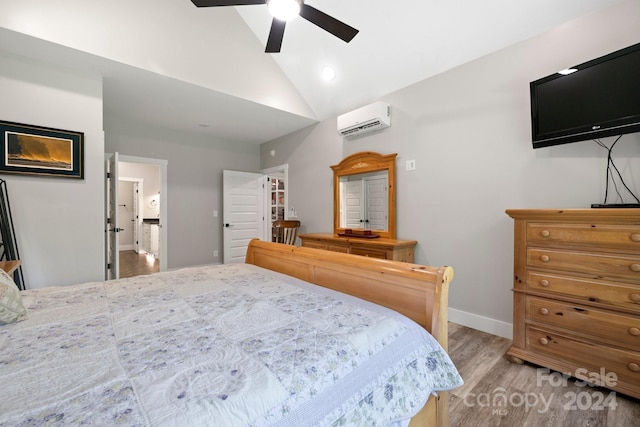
(365, 119)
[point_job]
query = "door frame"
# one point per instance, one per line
(277, 172)
(162, 166)
(111, 244)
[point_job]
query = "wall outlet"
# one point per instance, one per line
(411, 165)
(215, 253)
(215, 214)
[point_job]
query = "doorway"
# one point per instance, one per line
(250, 205)
(137, 226)
(134, 259)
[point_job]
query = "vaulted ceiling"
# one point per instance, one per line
(203, 70)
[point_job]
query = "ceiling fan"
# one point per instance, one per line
(290, 9)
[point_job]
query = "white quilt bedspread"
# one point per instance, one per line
(224, 345)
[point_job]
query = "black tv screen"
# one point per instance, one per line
(600, 98)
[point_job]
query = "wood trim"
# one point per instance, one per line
(10, 266)
(363, 162)
(398, 250)
(603, 214)
(419, 292)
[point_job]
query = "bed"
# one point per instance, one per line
(265, 343)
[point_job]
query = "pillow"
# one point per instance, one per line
(11, 308)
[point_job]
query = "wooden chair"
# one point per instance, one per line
(286, 231)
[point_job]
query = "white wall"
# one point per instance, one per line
(150, 174)
(181, 41)
(59, 222)
(194, 181)
(469, 131)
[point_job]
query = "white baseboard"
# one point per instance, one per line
(126, 247)
(481, 323)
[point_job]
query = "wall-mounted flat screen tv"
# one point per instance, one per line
(592, 100)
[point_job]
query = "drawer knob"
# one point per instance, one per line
(545, 283)
(545, 311)
(634, 367)
(635, 267)
(545, 341)
(635, 237)
(544, 258)
(634, 297)
(634, 331)
(545, 233)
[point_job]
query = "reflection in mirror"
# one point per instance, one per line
(363, 201)
(364, 198)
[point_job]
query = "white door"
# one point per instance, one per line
(243, 214)
(353, 204)
(376, 196)
(112, 270)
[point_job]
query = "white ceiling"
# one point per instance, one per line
(399, 43)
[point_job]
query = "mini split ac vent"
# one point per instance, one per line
(366, 119)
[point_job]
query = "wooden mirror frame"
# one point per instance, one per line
(364, 162)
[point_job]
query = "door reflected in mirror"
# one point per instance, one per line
(364, 201)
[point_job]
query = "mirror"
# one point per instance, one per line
(364, 195)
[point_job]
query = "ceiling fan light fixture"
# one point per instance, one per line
(284, 10)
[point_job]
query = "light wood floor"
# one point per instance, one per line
(133, 264)
(487, 373)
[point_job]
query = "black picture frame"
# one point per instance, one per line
(37, 150)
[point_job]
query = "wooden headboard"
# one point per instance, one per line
(419, 292)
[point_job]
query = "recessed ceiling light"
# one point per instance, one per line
(328, 73)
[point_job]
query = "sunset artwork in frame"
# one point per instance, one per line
(37, 150)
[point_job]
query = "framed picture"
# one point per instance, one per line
(37, 150)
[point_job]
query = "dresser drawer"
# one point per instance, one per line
(325, 246)
(338, 248)
(595, 264)
(620, 329)
(314, 245)
(595, 235)
(368, 252)
(594, 357)
(615, 294)
(381, 247)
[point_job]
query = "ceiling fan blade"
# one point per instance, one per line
(210, 3)
(328, 23)
(275, 36)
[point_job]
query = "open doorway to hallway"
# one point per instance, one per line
(140, 216)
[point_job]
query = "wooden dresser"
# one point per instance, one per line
(398, 250)
(576, 305)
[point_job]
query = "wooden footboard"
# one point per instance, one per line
(419, 292)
